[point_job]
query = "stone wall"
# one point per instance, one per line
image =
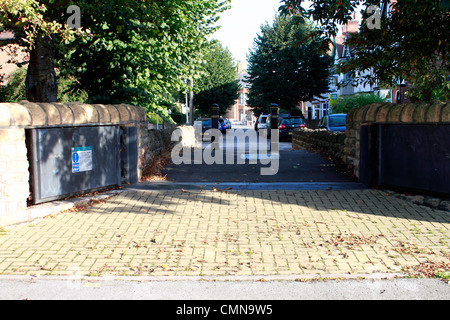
(346, 147)
(15, 118)
(320, 140)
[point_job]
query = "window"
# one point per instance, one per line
(241, 98)
(337, 121)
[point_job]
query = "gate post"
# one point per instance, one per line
(215, 116)
(214, 124)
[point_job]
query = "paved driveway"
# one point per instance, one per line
(233, 232)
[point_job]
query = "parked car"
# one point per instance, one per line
(201, 126)
(223, 125)
(334, 122)
(261, 122)
(287, 125)
(228, 123)
(280, 116)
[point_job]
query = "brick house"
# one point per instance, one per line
(240, 110)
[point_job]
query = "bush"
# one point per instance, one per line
(14, 90)
(343, 105)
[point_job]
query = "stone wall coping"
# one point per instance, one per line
(31, 115)
(423, 112)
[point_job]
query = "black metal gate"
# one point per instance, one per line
(409, 156)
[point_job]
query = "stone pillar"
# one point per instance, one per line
(14, 187)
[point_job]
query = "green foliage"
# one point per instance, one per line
(133, 51)
(411, 44)
(14, 90)
(67, 92)
(430, 89)
(32, 19)
(286, 66)
(218, 82)
(142, 52)
(344, 104)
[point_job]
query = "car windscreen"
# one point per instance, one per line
(263, 119)
(337, 121)
(291, 121)
(207, 123)
(296, 120)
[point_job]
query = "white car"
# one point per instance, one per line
(261, 122)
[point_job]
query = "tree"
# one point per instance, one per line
(34, 23)
(286, 66)
(411, 42)
(218, 82)
(143, 54)
(131, 51)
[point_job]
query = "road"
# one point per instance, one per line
(295, 170)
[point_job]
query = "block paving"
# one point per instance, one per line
(227, 232)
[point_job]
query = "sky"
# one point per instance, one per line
(241, 24)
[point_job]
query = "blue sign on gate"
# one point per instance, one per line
(75, 162)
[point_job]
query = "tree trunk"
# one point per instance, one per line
(41, 85)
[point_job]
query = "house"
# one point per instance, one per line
(240, 110)
(320, 105)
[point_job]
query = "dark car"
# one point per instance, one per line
(280, 117)
(287, 125)
(334, 122)
(201, 126)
